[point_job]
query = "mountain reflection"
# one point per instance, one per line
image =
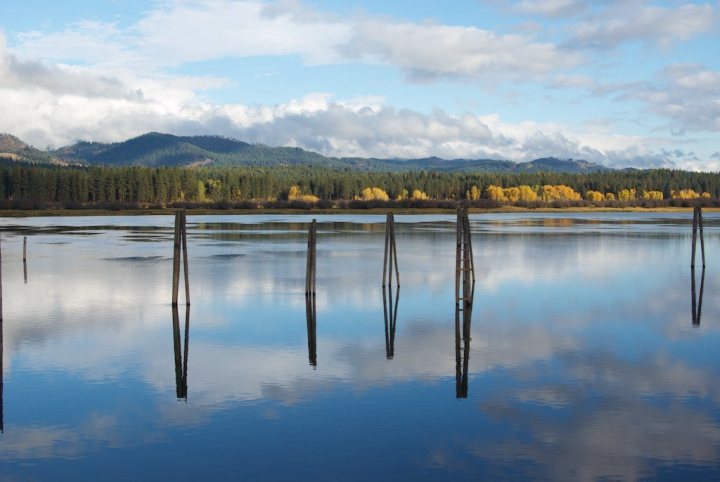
(463, 309)
(390, 312)
(310, 311)
(697, 298)
(181, 357)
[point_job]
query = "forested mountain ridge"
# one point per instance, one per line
(13, 149)
(166, 150)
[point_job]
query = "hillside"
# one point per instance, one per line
(13, 149)
(156, 150)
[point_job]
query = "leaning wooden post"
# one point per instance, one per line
(387, 249)
(458, 254)
(394, 248)
(702, 236)
(1, 314)
(183, 233)
(176, 260)
(310, 277)
(694, 236)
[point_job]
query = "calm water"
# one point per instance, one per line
(583, 360)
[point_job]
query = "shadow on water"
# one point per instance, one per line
(697, 298)
(181, 353)
(463, 310)
(390, 311)
(310, 311)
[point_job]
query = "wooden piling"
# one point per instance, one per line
(310, 273)
(697, 227)
(1, 310)
(180, 241)
(390, 261)
(24, 249)
(464, 261)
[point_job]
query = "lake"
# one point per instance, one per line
(586, 355)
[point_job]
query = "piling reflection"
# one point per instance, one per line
(181, 353)
(390, 310)
(697, 298)
(2, 387)
(25, 270)
(463, 312)
(310, 310)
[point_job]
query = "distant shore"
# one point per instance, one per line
(16, 213)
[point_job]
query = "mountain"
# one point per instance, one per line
(156, 149)
(13, 149)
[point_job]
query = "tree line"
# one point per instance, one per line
(22, 184)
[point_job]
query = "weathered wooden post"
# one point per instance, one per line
(24, 249)
(180, 240)
(310, 275)
(697, 226)
(464, 263)
(2, 388)
(390, 260)
(1, 311)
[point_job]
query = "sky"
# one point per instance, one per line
(624, 83)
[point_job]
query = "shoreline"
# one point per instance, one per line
(11, 213)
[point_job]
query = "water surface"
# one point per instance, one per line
(587, 358)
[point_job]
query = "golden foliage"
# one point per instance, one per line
(684, 194)
(626, 194)
(594, 196)
(295, 194)
(373, 194)
(495, 193)
(419, 195)
(609, 196)
(655, 195)
(559, 193)
(474, 193)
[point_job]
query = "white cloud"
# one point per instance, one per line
(636, 21)
(428, 52)
(552, 8)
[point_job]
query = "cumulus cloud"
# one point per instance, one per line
(427, 52)
(687, 94)
(552, 8)
(638, 22)
(227, 29)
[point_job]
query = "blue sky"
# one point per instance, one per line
(623, 83)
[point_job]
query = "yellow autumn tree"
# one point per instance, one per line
(527, 193)
(474, 193)
(495, 193)
(512, 194)
(684, 194)
(594, 196)
(654, 195)
(626, 194)
(419, 195)
(373, 194)
(609, 196)
(559, 193)
(295, 194)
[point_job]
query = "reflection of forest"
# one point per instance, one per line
(181, 353)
